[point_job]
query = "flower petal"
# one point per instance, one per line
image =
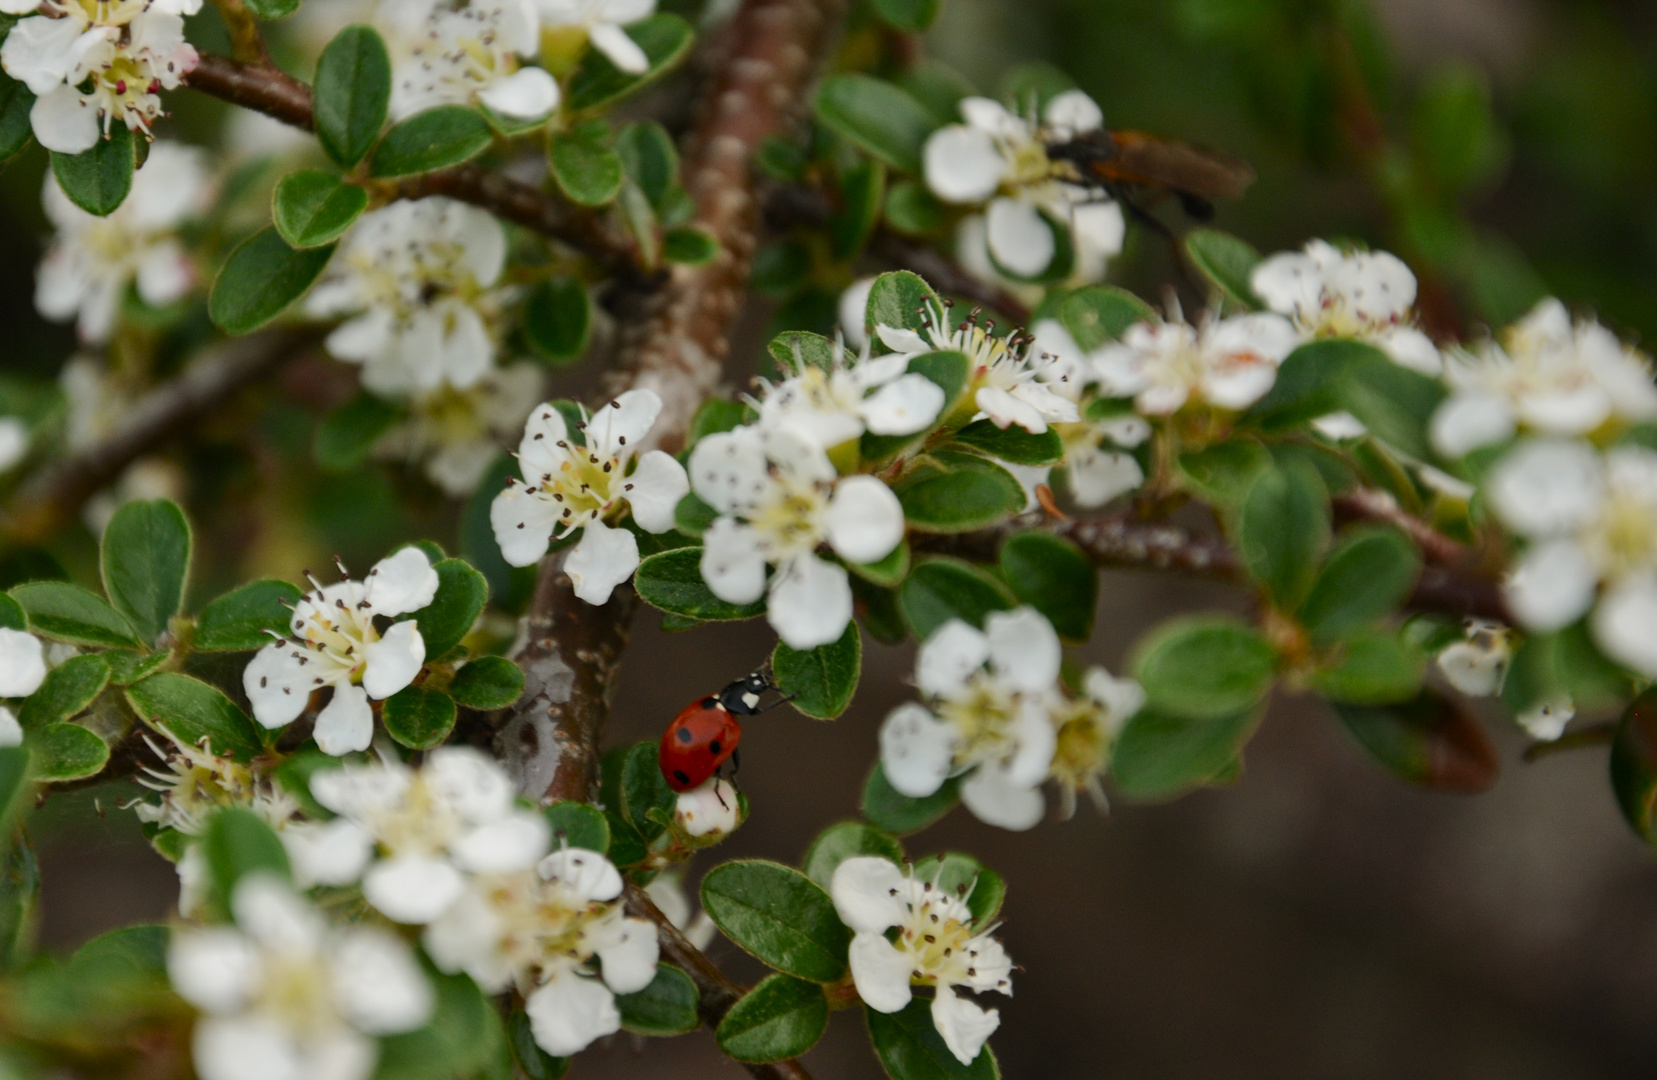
(327, 853)
(246, 1048)
(946, 659)
(1097, 476)
(214, 968)
(964, 1025)
(525, 94)
(346, 724)
(995, 800)
(394, 660)
(11, 732)
(1551, 586)
(516, 842)
(401, 583)
(869, 894)
(864, 519)
(625, 421)
(1005, 410)
(629, 957)
(603, 558)
(470, 783)
(732, 564)
(963, 164)
(810, 602)
(1469, 420)
(1625, 625)
(853, 311)
(904, 406)
(1020, 239)
(708, 810)
(1071, 113)
(571, 1011)
(880, 972)
(63, 121)
(588, 874)
(623, 51)
(278, 686)
(379, 987)
(22, 663)
(917, 750)
(1547, 486)
(654, 490)
(412, 888)
(729, 470)
(1024, 649)
(523, 521)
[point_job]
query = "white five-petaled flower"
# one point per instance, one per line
(989, 717)
(1000, 158)
(123, 52)
(1010, 384)
(1367, 295)
(571, 485)
(938, 943)
(778, 498)
(455, 816)
(1591, 523)
(1226, 363)
(286, 996)
(1545, 376)
(93, 260)
(854, 394)
(336, 642)
(22, 663)
(449, 55)
(457, 434)
(540, 931)
(602, 22)
(1087, 726)
(418, 279)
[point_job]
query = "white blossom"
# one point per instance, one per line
(707, 811)
(989, 717)
(453, 55)
(418, 278)
(836, 404)
(124, 52)
(456, 816)
(541, 931)
(22, 663)
(1364, 295)
(336, 643)
(194, 783)
(1544, 376)
(602, 21)
(571, 485)
(938, 944)
(286, 996)
(1224, 363)
(93, 260)
(1087, 726)
(778, 498)
(458, 434)
(1477, 664)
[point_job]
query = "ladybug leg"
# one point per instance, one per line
(736, 762)
(719, 794)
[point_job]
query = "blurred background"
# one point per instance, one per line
(1315, 919)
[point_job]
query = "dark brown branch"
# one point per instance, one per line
(268, 90)
(51, 497)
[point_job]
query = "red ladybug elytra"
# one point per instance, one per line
(705, 735)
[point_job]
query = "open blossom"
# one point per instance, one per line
(336, 643)
(418, 279)
(95, 63)
(286, 996)
(1545, 376)
(458, 434)
(833, 405)
(778, 498)
(938, 944)
(541, 931)
(1591, 523)
(1000, 159)
(93, 260)
(22, 663)
(1226, 363)
(456, 815)
(989, 692)
(450, 55)
(193, 783)
(602, 22)
(570, 485)
(1009, 383)
(1087, 726)
(1366, 295)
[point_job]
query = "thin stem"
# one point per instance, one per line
(1592, 735)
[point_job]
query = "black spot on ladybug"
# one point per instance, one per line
(679, 775)
(713, 747)
(684, 735)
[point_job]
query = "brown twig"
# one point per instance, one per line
(51, 497)
(1592, 735)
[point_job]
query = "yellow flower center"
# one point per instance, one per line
(1623, 540)
(792, 522)
(983, 715)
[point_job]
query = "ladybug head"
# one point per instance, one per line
(742, 697)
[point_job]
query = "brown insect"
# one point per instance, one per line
(1120, 162)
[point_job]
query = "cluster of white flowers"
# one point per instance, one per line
(450, 55)
(938, 944)
(22, 670)
(999, 715)
(93, 260)
(95, 63)
(336, 643)
(833, 405)
(1227, 363)
(457, 434)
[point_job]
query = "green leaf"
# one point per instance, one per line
(127, 666)
(1096, 314)
(689, 246)
(145, 560)
(15, 129)
(627, 847)
(461, 595)
(910, 16)
(780, 916)
(69, 688)
(646, 799)
(910, 1047)
(1376, 668)
(578, 825)
(488, 683)
(419, 718)
(1205, 667)
(1366, 577)
(1227, 263)
(888, 809)
(536, 1063)
(888, 572)
(1012, 443)
(583, 164)
(965, 877)
(63, 752)
(1284, 531)
(262, 279)
(1055, 578)
(557, 319)
(861, 188)
(900, 299)
(97, 180)
(716, 415)
(272, 9)
(960, 493)
(353, 93)
(781, 1018)
(666, 1007)
(16, 790)
(314, 208)
(664, 38)
(12, 615)
(1308, 383)
(1393, 402)
(238, 620)
(876, 117)
(650, 158)
(846, 840)
(672, 581)
(1222, 474)
(19, 893)
(940, 589)
(70, 613)
(692, 516)
(1457, 141)
(237, 842)
(1431, 742)
(434, 139)
(344, 438)
(463, 1039)
(1159, 756)
(915, 211)
(192, 710)
(820, 681)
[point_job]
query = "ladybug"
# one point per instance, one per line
(705, 735)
